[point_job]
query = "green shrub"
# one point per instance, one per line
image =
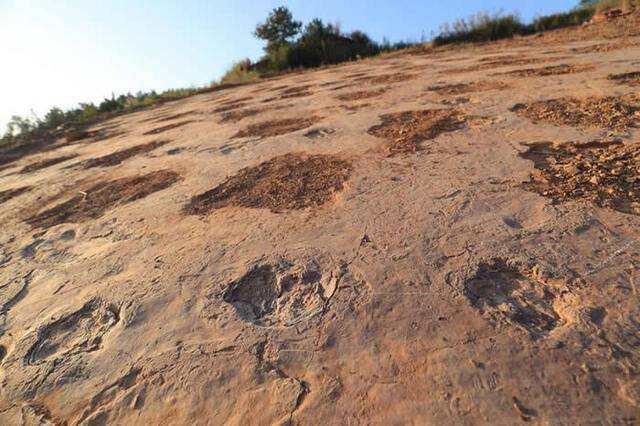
(604, 5)
(481, 27)
(240, 72)
(576, 16)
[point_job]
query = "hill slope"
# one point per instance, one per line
(442, 237)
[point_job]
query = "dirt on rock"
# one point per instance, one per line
(119, 156)
(548, 71)
(607, 112)
(491, 64)
(359, 95)
(296, 92)
(385, 78)
(43, 164)
(606, 174)
(163, 129)
(175, 116)
(277, 127)
(230, 107)
(12, 193)
(462, 88)
(628, 78)
(237, 115)
(93, 202)
(288, 182)
(405, 131)
(602, 47)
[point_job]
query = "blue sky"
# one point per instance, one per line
(59, 53)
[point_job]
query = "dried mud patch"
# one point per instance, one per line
(462, 88)
(120, 156)
(277, 127)
(95, 201)
(78, 332)
(287, 182)
(359, 95)
(549, 71)
(168, 127)
(43, 164)
(12, 193)
(281, 293)
(606, 174)
(628, 78)
(607, 112)
(405, 131)
(516, 295)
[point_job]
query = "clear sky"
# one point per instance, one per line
(59, 53)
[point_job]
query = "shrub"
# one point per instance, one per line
(240, 72)
(604, 5)
(576, 16)
(481, 27)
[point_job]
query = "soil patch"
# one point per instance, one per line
(628, 78)
(607, 112)
(237, 115)
(174, 116)
(513, 295)
(547, 71)
(12, 193)
(93, 202)
(277, 127)
(385, 78)
(43, 164)
(604, 47)
(607, 174)
(287, 182)
(230, 107)
(118, 157)
(499, 59)
(295, 91)
(405, 131)
(162, 129)
(291, 92)
(461, 88)
(363, 94)
(508, 61)
(296, 95)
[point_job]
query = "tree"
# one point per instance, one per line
(278, 29)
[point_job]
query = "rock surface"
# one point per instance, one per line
(376, 248)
